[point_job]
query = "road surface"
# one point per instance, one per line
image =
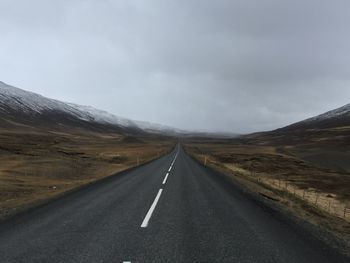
(170, 210)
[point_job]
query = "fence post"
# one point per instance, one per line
(205, 160)
(316, 199)
(344, 211)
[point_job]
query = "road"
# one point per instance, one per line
(170, 210)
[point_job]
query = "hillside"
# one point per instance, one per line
(24, 109)
(323, 140)
(49, 147)
(332, 119)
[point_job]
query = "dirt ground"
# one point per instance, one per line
(37, 166)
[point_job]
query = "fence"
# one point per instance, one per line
(323, 201)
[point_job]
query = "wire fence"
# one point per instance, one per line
(326, 202)
(321, 200)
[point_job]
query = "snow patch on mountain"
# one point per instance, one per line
(340, 112)
(32, 103)
(101, 116)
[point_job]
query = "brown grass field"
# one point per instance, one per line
(319, 195)
(37, 166)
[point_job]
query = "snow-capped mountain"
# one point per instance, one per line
(339, 117)
(20, 106)
(337, 113)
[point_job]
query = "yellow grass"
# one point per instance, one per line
(36, 167)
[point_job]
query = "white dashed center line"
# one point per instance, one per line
(150, 211)
(154, 204)
(166, 178)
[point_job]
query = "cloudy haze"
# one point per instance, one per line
(238, 66)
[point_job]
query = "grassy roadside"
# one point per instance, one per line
(298, 200)
(37, 166)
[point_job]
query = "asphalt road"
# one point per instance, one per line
(144, 215)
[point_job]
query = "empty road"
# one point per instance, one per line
(170, 210)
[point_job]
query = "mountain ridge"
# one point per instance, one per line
(339, 117)
(29, 108)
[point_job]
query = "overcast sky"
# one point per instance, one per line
(223, 65)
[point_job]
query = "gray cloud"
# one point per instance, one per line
(241, 66)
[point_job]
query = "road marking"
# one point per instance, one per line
(150, 211)
(166, 178)
(126, 261)
(172, 163)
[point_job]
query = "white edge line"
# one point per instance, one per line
(150, 211)
(166, 178)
